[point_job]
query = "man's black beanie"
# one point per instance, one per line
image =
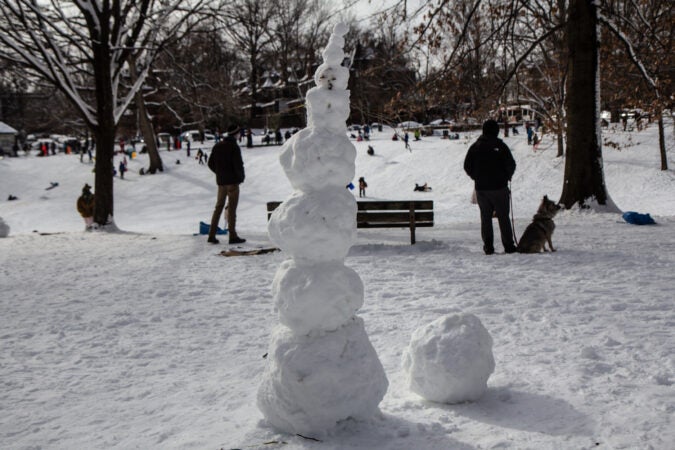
(490, 128)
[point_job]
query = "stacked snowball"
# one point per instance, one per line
(4, 229)
(322, 368)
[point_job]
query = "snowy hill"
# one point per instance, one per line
(157, 204)
(149, 339)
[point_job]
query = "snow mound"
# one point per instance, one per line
(4, 229)
(450, 359)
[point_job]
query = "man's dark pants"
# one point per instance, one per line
(231, 192)
(497, 202)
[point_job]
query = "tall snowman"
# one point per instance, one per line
(322, 368)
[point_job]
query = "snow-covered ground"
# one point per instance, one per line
(148, 338)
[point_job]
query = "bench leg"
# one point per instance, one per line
(412, 223)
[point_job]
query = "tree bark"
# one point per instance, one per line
(145, 125)
(584, 177)
(561, 141)
(662, 143)
(105, 135)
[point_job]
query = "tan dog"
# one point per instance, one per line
(540, 231)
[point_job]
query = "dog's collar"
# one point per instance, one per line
(541, 217)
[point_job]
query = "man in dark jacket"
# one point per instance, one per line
(490, 164)
(226, 162)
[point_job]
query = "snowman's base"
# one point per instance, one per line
(314, 382)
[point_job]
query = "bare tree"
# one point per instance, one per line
(144, 122)
(246, 22)
(195, 79)
(645, 32)
(501, 22)
(82, 47)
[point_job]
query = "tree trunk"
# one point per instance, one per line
(148, 136)
(103, 183)
(144, 124)
(254, 88)
(105, 137)
(584, 177)
(662, 143)
(561, 143)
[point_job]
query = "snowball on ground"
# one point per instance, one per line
(311, 383)
(320, 296)
(450, 359)
(4, 229)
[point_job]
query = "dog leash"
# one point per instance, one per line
(513, 221)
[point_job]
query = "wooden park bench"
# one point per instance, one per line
(388, 214)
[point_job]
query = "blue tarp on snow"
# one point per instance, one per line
(637, 218)
(205, 227)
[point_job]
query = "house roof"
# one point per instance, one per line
(6, 129)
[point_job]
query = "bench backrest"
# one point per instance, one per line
(384, 214)
(387, 213)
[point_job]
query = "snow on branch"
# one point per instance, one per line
(72, 44)
(631, 51)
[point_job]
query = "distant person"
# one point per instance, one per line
(422, 188)
(122, 167)
(362, 187)
(200, 156)
(85, 205)
(490, 164)
(188, 149)
(417, 134)
(371, 150)
(287, 135)
(227, 164)
(249, 138)
(278, 137)
(530, 133)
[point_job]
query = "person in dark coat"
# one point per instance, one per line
(227, 164)
(490, 164)
(249, 138)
